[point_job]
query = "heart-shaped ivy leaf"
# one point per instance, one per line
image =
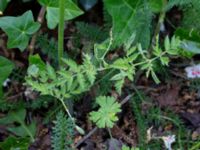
(52, 16)
(19, 29)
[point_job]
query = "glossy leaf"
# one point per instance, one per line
(52, 15)
(3, 5)
(19, 29)
(130, 18)
(6, 67)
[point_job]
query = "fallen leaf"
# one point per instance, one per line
(170, 97)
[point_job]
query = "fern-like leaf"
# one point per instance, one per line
(64, 83)
(63, 132)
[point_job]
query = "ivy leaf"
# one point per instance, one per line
(156, 5)
(19, 29)
(13, 143)
(52, 16)
(106, 115)
(135, 19)
(6, 67)
(19, 117)
(3, 5)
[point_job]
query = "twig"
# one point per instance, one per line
(125, 100)
(86, 137)
(15, 96)
(40, 20)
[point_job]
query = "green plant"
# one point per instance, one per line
(138, 58)
(13, 143)
(70, 11)
(70, 80)
(107, 57)
(48, 47)
(63, 83)
(19, 29)
(22, 130)
(3, 5)
(105, 117)
(142, 124)
(6, 67)
(63, 132)
(87, 35)
(124, 147)
(61, 30)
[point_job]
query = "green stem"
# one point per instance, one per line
(160, 21)
(79, 129)
(67, 110)
(196, 146)
(61, 30)
(110, 134)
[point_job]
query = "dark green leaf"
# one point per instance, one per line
(36, 60)
(135, 19)
(6, 67)
(13, 143)
(19, 29)
(52, 16)
(19, 117)
(3, 5)
(192, 34)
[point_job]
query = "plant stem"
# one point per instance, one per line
(160, 21)
(79, 129)
(61, 30)
(110, 134)
(67, 110)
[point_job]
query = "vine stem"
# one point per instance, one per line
(40, 19)
(61, 30)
